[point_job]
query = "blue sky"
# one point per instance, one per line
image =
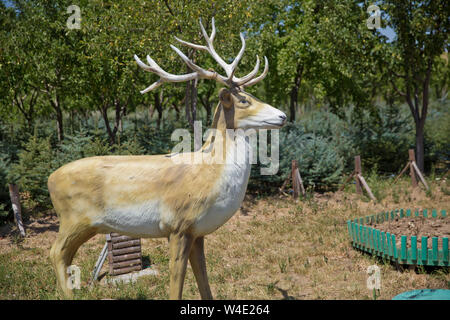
(388, 32)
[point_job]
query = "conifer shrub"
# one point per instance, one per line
(335, 130)
(154, 140)
(319, 162)
(5, 202)
(382, 138)
(31, 171)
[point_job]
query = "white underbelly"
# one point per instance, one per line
(140, 220)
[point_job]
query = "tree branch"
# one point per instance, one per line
(18, 103)
(173, 15)
(397, 90)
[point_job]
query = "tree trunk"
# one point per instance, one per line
(158, 107)
(208, 112)
(59, 124)
(420, 151)
(15, 201)
(190, 101)
(205, 100)
(111, 132)
(412, 99)
(294, 93)
(119, 112)
(151, 112)
(187, 105)
(194, 100)
(20, 102)
(177, 111)
(54, 102)
(293, 105)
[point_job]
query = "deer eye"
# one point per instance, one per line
(243, 101)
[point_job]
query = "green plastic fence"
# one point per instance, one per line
(383, 244)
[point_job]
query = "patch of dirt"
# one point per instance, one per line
(45, 227)
(416, 226)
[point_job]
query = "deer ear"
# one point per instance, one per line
(226, 98)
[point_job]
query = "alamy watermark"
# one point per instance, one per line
(374, 279)
(73, 281)
(236, 146)
(374, 21)
(74, 21)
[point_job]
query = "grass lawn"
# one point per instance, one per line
(273, 248)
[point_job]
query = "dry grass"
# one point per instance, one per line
(275, 248)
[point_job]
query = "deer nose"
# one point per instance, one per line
(282, 117)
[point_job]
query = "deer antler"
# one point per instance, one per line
(199, 73)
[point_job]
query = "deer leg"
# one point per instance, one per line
(64, 249)
(198, 264)
(180, 247)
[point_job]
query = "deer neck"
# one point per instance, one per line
(232, 149)
(224, 144)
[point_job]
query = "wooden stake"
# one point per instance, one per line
(358, 172)
(366, 186)
(15, 200)
(284, 185)
(300, 182)
(403, 171)
(420, 175)
(295, 182)
(412, 158)
(347, 181)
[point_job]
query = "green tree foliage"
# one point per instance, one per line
(19, 73)
(324, 47)
(422, 36)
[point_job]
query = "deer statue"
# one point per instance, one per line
(155, 196)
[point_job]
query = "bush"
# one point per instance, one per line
(155, 141)
(437, 136)
(5, 201)
(319, 162)
(10, 139)
(335, 130)
(382, 138)
(36, 162)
